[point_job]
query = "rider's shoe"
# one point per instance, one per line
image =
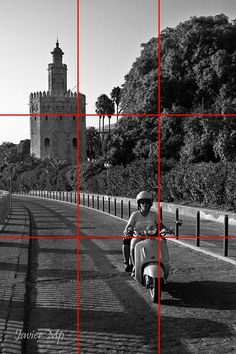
(128, 267)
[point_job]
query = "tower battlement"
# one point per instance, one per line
(40, 94)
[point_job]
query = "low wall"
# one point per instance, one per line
(4, 206)
(206, 214)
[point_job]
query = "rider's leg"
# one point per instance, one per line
(126, 254)
(133, 243)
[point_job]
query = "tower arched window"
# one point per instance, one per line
(46, 142)
(46, 117)
(74, 142)
(73, 117)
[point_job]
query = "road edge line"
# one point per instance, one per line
(208, 253)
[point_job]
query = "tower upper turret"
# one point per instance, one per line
(57, 54)
(57, 73)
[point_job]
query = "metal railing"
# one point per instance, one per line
(197, 230)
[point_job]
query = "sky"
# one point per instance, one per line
(110, 34)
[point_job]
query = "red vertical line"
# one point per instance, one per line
(78, 173)
(78, 292)
(159, 176)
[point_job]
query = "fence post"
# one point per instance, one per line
(88, 200)
(97, 202)
(115, 206)
(83, 200)
(177, 226)
(103, 203)
(121, 209)
(160, 214)
(226, 239)
(76, 198)
(129, 208)
(198, 228)
(109, 205)
(93, 201)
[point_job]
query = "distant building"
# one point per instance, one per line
(57, 136)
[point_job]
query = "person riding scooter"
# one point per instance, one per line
(138, 220)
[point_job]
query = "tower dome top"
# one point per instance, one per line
(57, 49)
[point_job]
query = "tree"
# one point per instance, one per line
(139, 91)
(116, 98)
(198, 60)
(104, 107)
(94, 144)
(131, 139)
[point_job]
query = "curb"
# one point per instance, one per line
(208, 253)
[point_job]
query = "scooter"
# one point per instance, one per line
(149, 264)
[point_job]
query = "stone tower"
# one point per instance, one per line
(57, 136)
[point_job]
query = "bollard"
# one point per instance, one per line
(226, 239)
(103, 203)
(76, 198)
(129, 208)
(83, 199)
(97, 202)
(88, 200)
(177, 226)
(115, 206)
(121, 209)
(109, 205)
(160, 214)
(198, 228)
(93, 201)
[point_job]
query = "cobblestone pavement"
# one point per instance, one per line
(50, 217)
(116, 315)
(53, 301)
(13, 269)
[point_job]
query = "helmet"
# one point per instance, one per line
(143, 195)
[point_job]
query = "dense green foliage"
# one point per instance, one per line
(26, 172)
(198, 65)
(198, 69)
(199, 160)
(131, 152)
(139, 92)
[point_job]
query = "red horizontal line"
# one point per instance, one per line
(117, 237)
(74, 114)
(200, 237)
(121, 114)
(198, 115)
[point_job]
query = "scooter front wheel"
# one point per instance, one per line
(154, 290)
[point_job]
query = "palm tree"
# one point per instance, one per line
(104, 107)
(93, 143)
(116, 97)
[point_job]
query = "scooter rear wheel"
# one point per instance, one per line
(154, 290)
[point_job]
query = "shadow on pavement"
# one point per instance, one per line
(202, 294)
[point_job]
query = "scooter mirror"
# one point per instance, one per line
(179, 222)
